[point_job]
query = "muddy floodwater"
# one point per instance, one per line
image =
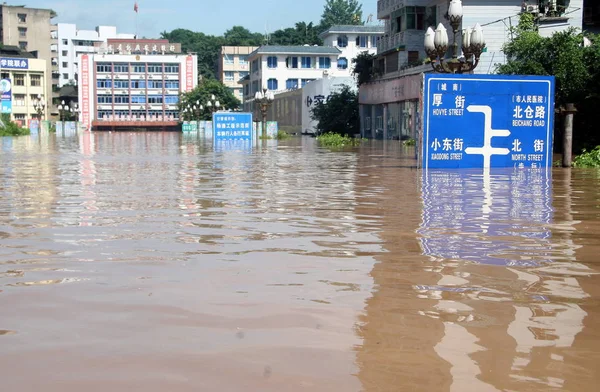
(155, 262)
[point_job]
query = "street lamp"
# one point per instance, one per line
(264, 99)
(62, 110)
(39, 106)
(436, 44)
(213, 105)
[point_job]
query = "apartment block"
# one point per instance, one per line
(233, 66)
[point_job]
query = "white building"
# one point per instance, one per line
(280, 68)
(73, 42)
(351, 41)
(137, 88)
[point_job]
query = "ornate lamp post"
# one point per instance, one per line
(264, 99)
(75, 111)
(63, 109)
(39, 106)
(436, 44)
(213, 105)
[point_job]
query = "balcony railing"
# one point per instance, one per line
(391, 42)
(386, 7)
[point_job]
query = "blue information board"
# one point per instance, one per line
(232, 127)
(475, 121)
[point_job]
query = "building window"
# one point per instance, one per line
(139, 84)
(172, 84)
(155, 99)
(121, 83)
(137, 68)
(122, 99)
(306, 62)
(19, 80)
(36, 80)
(342, 41)
(152, 84)
(65, 64)
(228, 60)
(272, 62)
(138, 99)
(362, 40)
(247, 89)
(104, 83)
(23, 32)
(324, 62)
(19, 100)
(254, 67)
(104, 98)
(65, 76)
(103, 67)
(412, 18)
(172, 68)
(291, 62)
(375, 41)
(306, 81)
(22, 18)
(65, 53)
(123, 68)
(291, 84)
(171, 99)
(155, 68)
(242, 74)
(228, 76)
(19, 117)
(23, 45)
(342, 63)
(65, 41)
(243, 59)
(272, 84)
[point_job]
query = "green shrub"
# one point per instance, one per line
(331, 139)
(282, 135)
(588, 158)
(10, 128)
(409, 142)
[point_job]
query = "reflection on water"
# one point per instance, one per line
(156, 261)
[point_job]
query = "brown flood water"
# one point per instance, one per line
(152, 262)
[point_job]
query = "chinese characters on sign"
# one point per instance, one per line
(487, 121)
(85, 91)
(232, 126)
(14, 63)
(143, 48)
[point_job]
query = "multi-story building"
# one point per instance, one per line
(591, 16)
(27, 76)
(351, 41)
(73, 42)
(31, 30)
(134, 83)
(280, 68)
(389, 104)
(233, 66)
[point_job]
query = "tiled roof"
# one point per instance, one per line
(353, 29)
(276, 49)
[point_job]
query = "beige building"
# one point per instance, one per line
(233, 66)
(28, 77)
(31, 30)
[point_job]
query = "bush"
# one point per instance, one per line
(331, 139)
(10, 128)
(339, 114)
(588, 158)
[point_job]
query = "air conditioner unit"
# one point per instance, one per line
(533, 9)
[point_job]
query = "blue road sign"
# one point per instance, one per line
(232, 126)
(474, 121)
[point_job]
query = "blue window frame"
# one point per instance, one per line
(104, 83)
(138, 99)
(272, 62)
(272, 84)
(342, 63)
(171, 99)
(305, 81)
(291, 84)
(362, 41)
(291, 62)
(342, 41)
(104, 98)
(324, 62)
(306, 62)
(171, 83)
(121, 83)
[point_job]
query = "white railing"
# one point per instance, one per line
(391, 42)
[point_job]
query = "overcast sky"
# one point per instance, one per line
(210, 17)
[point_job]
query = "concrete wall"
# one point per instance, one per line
(317, 90)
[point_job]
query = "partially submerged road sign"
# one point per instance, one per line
(487, 121)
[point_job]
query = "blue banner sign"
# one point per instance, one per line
(6, 91)
(12, 63)
(232, 126)
(475, 121)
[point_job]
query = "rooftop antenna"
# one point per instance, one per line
(267, 35)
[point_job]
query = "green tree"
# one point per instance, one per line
(341, 12)
(207, 47)
(202, 94)
(339, 114)
(301, 34)
(574, 66)
(364, 67)
(241, 36)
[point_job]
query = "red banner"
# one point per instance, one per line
(85, 90)
(189, 73)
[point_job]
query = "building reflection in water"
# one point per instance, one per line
(491, 299)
